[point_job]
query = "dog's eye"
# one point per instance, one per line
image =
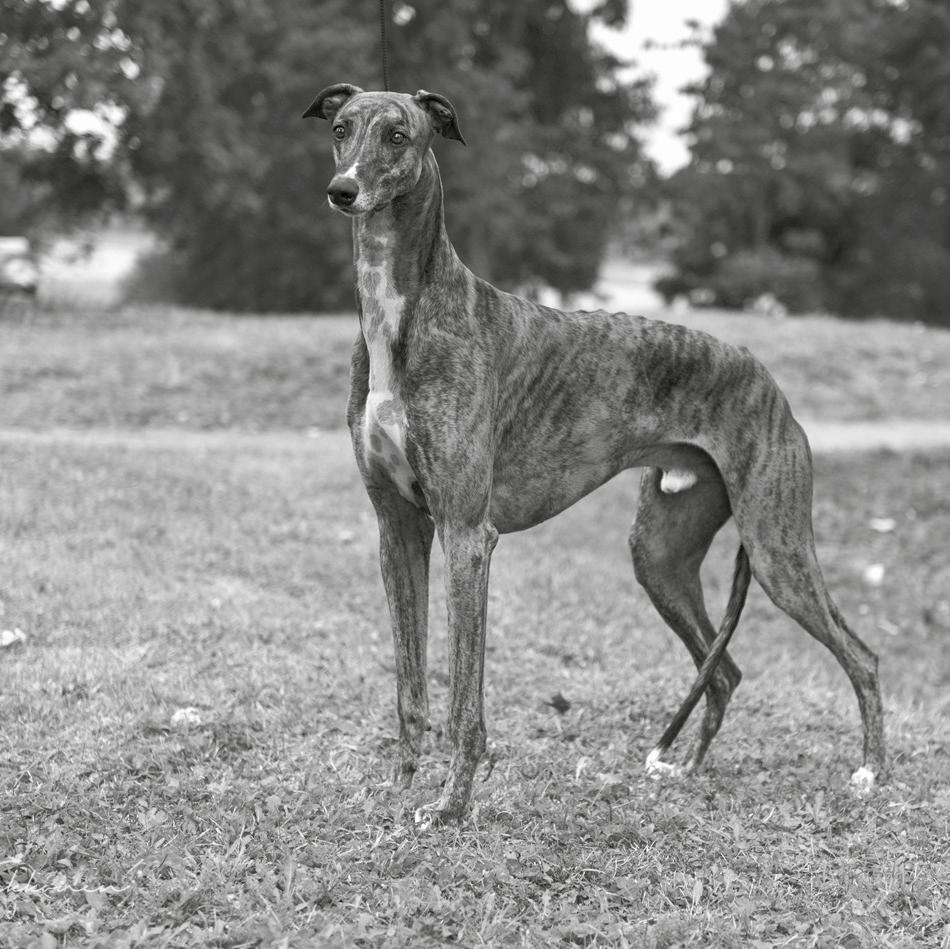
(339, 132)
(398, 138)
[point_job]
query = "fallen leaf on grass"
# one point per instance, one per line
(697, 892)
(186, 717)
(62, 924)
(11, 637)
(559, 703)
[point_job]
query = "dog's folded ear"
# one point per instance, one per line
(331, 100)
(441, 114)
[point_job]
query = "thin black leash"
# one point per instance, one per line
(384, 45)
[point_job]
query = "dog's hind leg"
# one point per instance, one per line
(785, 564)
(740, 587)
(772, 504)
(670, 537)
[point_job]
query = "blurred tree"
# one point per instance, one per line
(202, 99)
(821, 141)
(232, 178)
(552, 125)
(54, 144)
(18, 204)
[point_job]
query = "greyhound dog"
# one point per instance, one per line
(474, 412)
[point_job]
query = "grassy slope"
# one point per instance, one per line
(198, 727)
(240, 583)
(166, 367)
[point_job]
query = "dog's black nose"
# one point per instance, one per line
(342, 192)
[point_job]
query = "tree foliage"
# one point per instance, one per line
(822, 137)
(205, 98)
(54, 167)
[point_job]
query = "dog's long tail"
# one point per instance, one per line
(740, 587)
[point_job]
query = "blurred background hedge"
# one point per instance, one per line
(820, 163)
(819, 168)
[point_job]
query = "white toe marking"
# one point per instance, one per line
(676, 480)
(426, 814)
(657, 769)
(862, 780)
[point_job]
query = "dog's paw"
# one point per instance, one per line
(657, 769)
(862, 781)
(427, 816)
(434, 815)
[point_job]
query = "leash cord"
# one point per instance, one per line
(384, 44)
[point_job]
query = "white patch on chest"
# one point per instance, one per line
(384, 420)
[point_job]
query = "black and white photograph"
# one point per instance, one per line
(474, 473)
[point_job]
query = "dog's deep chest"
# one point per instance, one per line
(385, 425)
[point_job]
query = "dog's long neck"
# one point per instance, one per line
(402, 248)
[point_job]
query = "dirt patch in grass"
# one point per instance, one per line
(160, 367)
(198, 725)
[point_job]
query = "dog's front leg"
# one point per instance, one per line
(405, 541)
(468, 552)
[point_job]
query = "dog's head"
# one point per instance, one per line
(379, 142)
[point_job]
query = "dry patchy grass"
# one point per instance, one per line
(198, 727)
(160, 367)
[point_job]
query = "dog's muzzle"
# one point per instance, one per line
(342, 192)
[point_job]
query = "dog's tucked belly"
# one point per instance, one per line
(525, 494)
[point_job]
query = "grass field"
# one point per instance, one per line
(153, 367)
(199, 718)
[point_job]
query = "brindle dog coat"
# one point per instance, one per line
(474, 412)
